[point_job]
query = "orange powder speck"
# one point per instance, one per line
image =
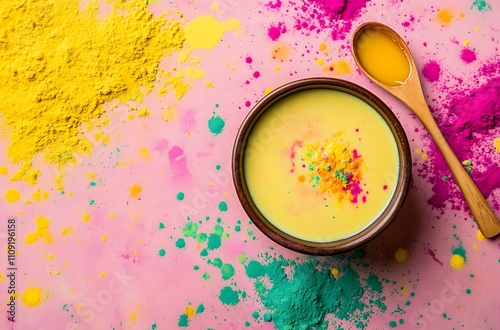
(135, 191)
(400, 255)
(103, 274)
(190, 311)
(301, 178)
(335, 272)
(209, 84)
(104, 238)
(340, 67)
(322, 46)
(445, 16)
(457, 261)
(320, 62)
(277, 68)
(280, 52)
(51, 256)
(12, 196)
(112, 216)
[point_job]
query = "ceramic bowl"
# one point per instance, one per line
(341, 245)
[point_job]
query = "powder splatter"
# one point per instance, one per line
(433, 255)
(216, 125)
(445, 16)
(334, 169)
(31, 297)
(135, 191)
(431, 71)
(468, 55)
(300, 295)
(61, 89)
(468, 118)
(275, 31)
(180, 196)
(335, 16)
(223, 206)
(41, 232)
(228, 296)
(400, 255)
(206, 32)
(12, 195)
(481, 5)
(180, 243)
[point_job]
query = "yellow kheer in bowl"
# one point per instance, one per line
(321, 165)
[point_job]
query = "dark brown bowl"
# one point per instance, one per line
(337, 246)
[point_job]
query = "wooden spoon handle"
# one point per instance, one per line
(479, 207)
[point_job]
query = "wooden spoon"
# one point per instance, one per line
(410, 93)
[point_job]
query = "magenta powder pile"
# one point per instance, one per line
(315, 16)
(469, 119)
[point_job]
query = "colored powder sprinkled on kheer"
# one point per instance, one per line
(313, 168)
(57, 76)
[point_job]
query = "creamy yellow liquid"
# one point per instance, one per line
(279, 169)
(382, 57)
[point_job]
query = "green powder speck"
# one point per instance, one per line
(153, 326)
(161, 253)
(202, 238)
(181, 243)
(216, 125)
(228, 296)
(217, 167)
(255, 269)
(223, 206)
(227, 271)
(196, 267)
(180, 196)
(161, 225)
(200, 309)
(468, 291)
(460, 251)
(214, 242)
(190, 229)
(481, 5)
(401, 321)
(374, 283)
(237, 228)
(206, 276)
(444, 315)
(393, 324)
(255, 315)
(183, 321)
(247, 324)
(268, 317)
(204, 253)
(242, 258)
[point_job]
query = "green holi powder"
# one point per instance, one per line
(242, 258)
(183, 321)
(204, 253)
(254, 269)
(92, 202)
(190, 229)
(217, 262)
(237, 228)
(216, 125)
(161, 253)
(202, 238)
(92, 183)
(181, 243)
(468, 291)
(444, 315)
(302, 294)
(161, 225)
(227, 271)
(359, 254)
(218, 229)
(205, 276)
(374, 283)
(481, 5)
(214, 241)
(180, 196)
(217, 167)
(228, 296)
(255, 315)
(247, 324)
(392, 324)
(223, 206)
(200, 309)
(196, 267)
(401, 321)
(153, 326)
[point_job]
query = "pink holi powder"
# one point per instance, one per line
(274, 5)
(247, 104)
(249, 60)
(293, 153)
(333, 15)
(470, 117)
(468, 55)
(178, 163)
(433, 255)
(431, 71)
(256, 74)
(275, 31)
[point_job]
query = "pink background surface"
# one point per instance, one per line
(153, 290)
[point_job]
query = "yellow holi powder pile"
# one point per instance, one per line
(445, 16)
(12, 195)
(457, 261)
(41, 232)
(59, 63)
(205, 31)
(32, 297)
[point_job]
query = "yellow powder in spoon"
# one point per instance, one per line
(61, 61)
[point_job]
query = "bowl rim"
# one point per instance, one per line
(346, 244)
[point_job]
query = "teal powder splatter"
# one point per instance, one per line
(468, 291)
(247, 324)
(180, 196)
(161, 225)
(214, 241)
(460, 251)
(481, 5)
(161, 253)
(153, 326)
(216, 125)
(301, 297)
(202, 238)
(223, 206)
(227, 271)
(217, 167)
(393, 324)
(255, 315)
(374, 283)
(181, 243)
(183, 321)
(228, 296)
(200, 309)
